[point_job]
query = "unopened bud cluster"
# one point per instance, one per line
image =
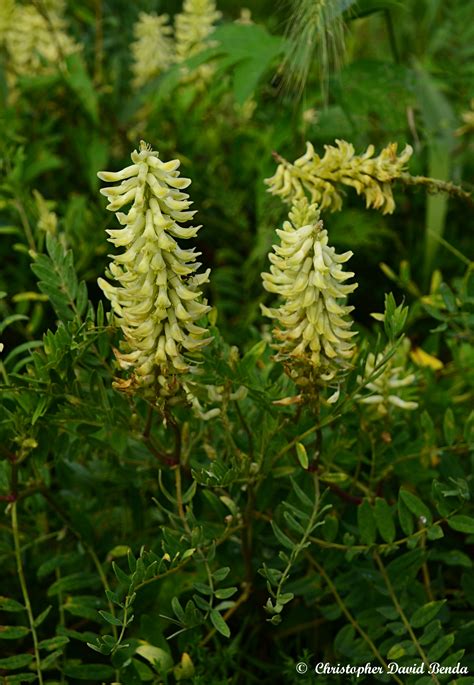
(321, 177)
(158, 300)
(307, 274)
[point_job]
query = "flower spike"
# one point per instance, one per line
(314, 328)
(158, 300)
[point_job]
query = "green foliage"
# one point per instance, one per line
(140, 542)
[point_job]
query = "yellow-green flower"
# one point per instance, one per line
(307, 274)
(158, 300)
(153, 47)
(320, 177)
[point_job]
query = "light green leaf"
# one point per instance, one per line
(302, 455)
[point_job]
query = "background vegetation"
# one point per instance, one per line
(134, 549)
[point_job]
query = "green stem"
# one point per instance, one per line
(434, 185)
(349, 398)
(182, 516)
(62, 514)
(246, 428)
(124, 625)
(98, 43)
(391, 36)
(24, 590)
(350, 618)
(302, 543)
(402, 615)
(378, 548)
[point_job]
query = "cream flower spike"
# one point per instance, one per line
(153, 47)
(158, 300)
(193, 26)
(34, 43)
(314, 327)
(319, 176)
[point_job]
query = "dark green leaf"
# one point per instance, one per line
(366, 522)
(219, 624)
(461, 523)
(416, 506)
(13, 632)
(18, 661)
(89, 672)
(7, 604)
(384, 520)
(426, 613)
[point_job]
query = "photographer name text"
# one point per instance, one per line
(434, 668)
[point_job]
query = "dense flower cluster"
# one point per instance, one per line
(193, 26)
(320, 176)
(314, 327)
(158, 300)
(35, 41)
(152, 49)
(392, 382)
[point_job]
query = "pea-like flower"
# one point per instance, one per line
(158, 300)
(393, 387)
(193, 26)
(320, 176)
(153, 47)
(313, 322)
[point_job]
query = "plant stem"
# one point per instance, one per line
(402, 614)
(391, 36)
(246, 428)
(434, 185)
(60, 511)
(350, 618)
(98, 43)
(24, 590)
(25, 223)
(425, 571)
(378, 548)
(241, 600)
